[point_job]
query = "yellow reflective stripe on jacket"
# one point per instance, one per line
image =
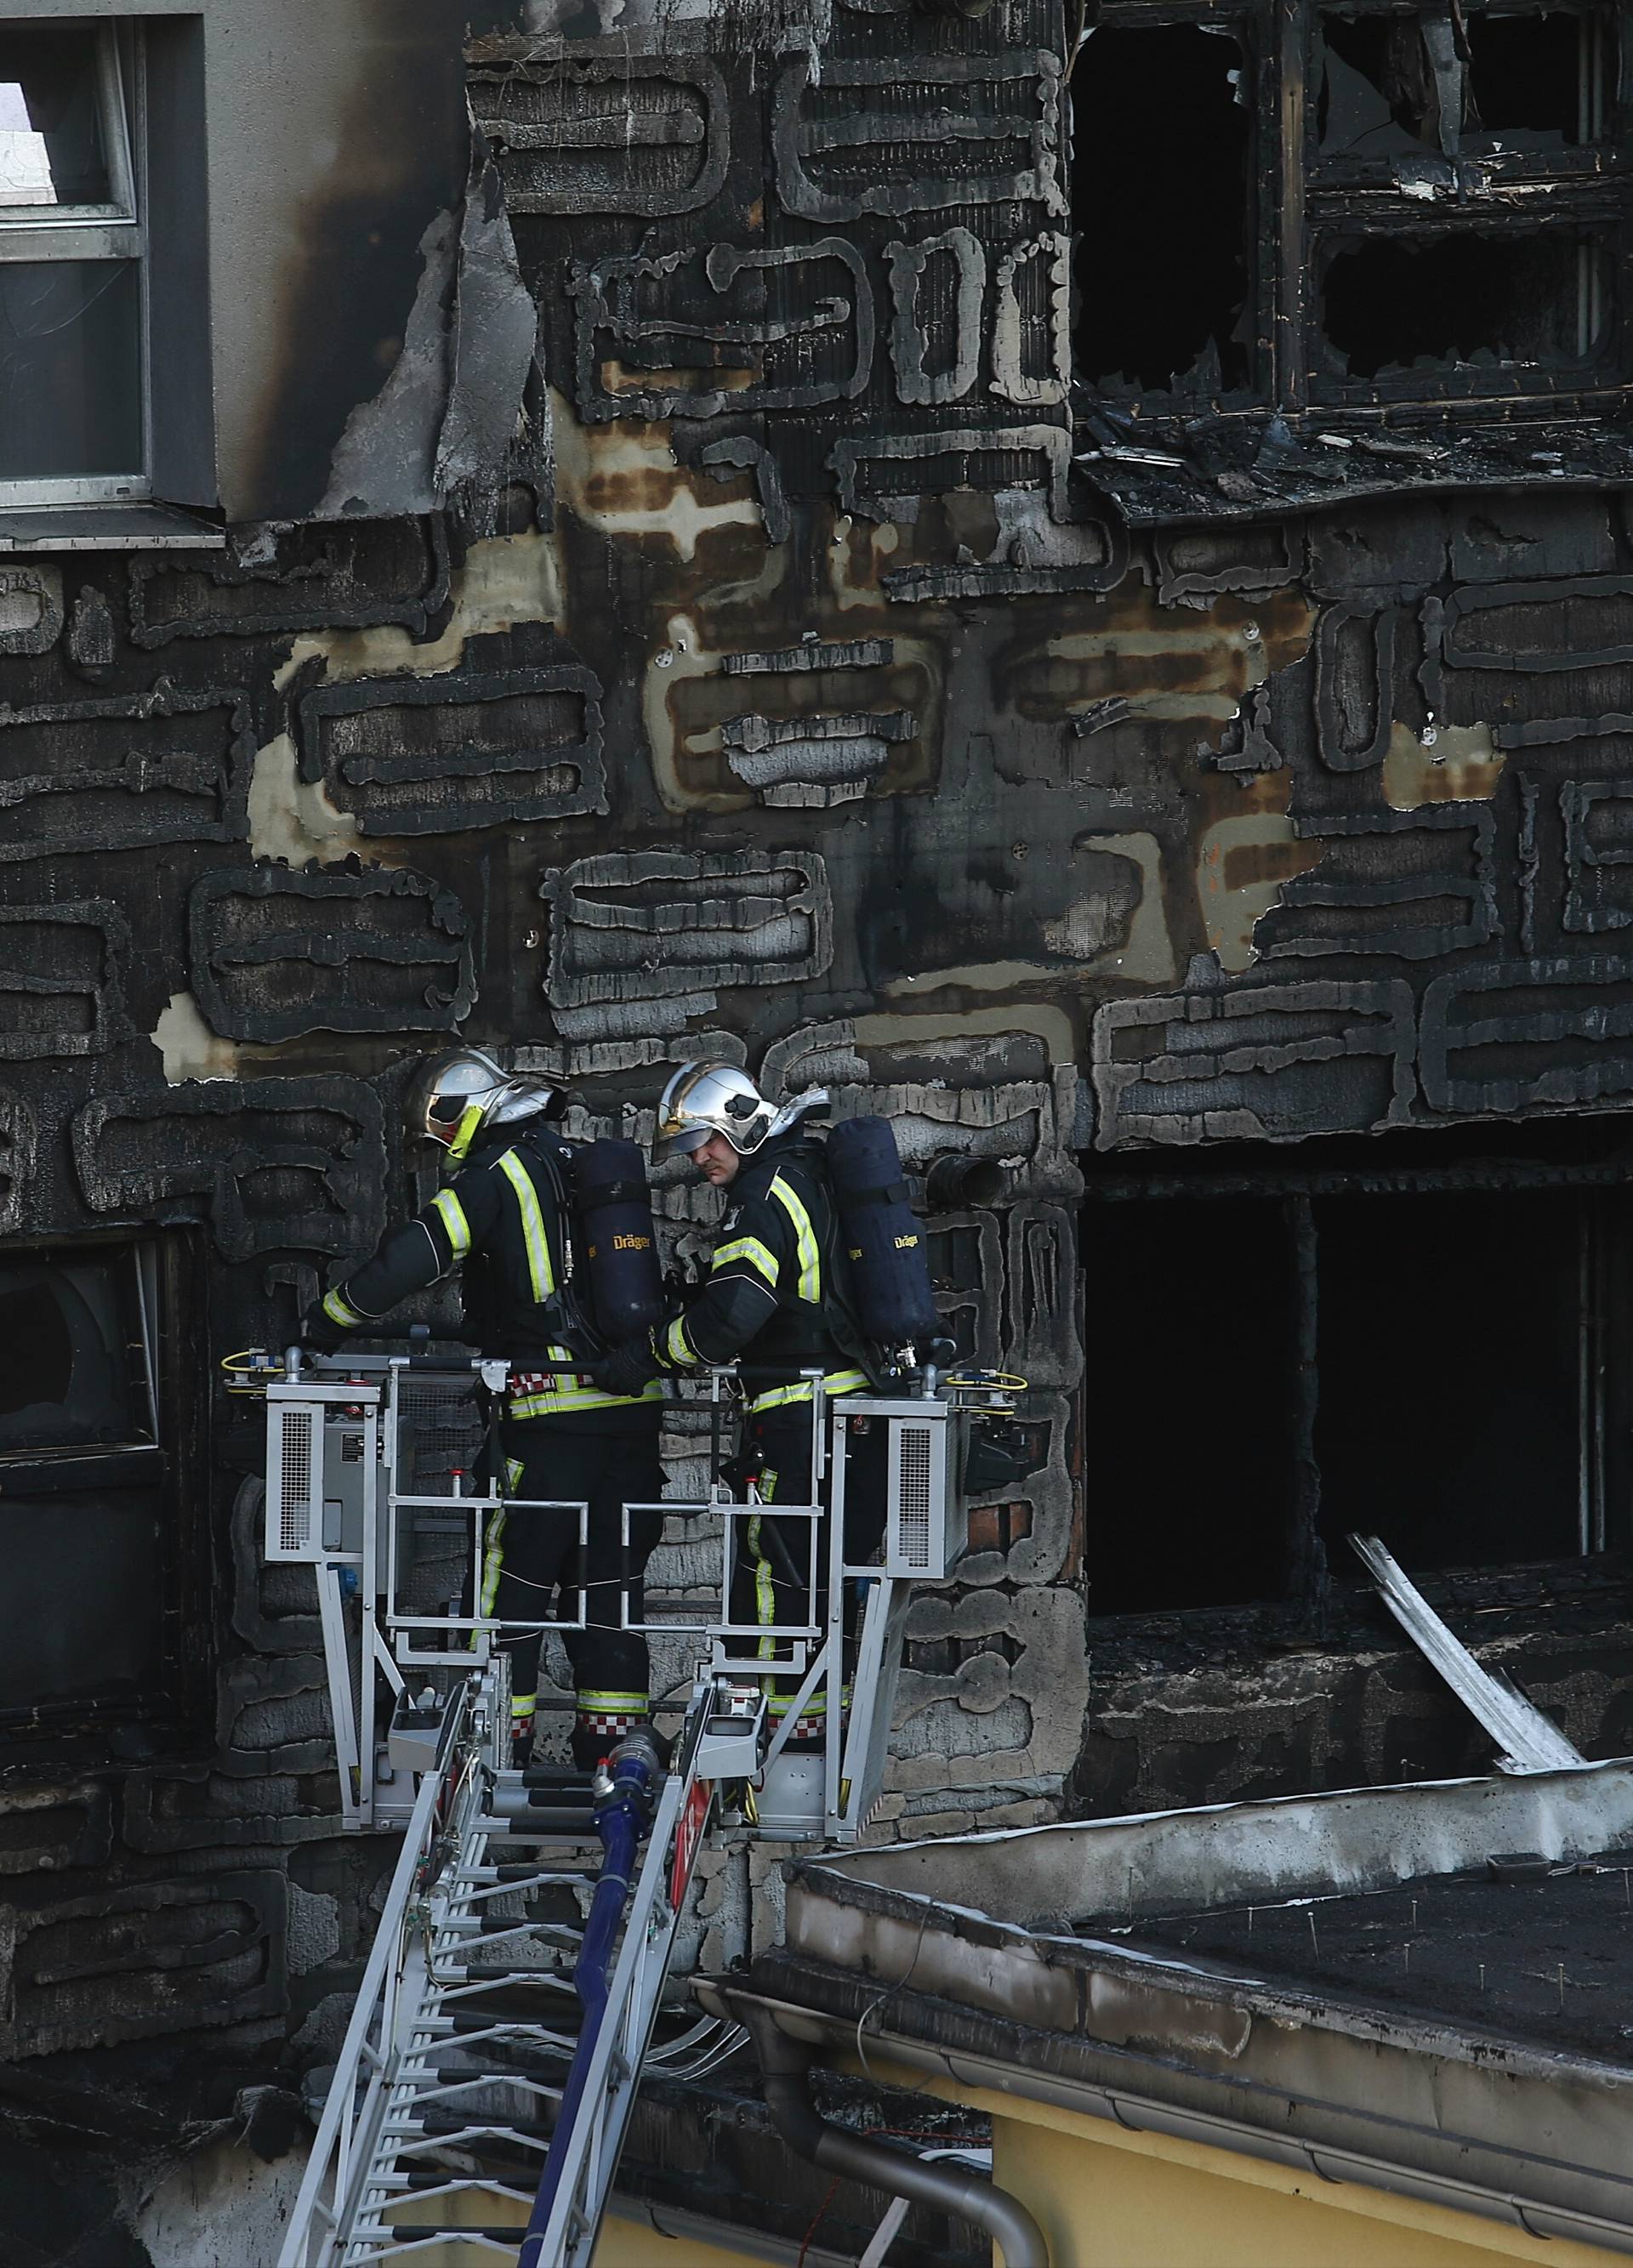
(569, 1396)
(572, 1393)
(837, 1381)
(340, 1310)
(614, 1704)
(805, 1240)
(759, 1256)
(453, 1217)
(541, 1274)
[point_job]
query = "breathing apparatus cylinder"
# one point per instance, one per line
(616, 1239)
(882, 1236)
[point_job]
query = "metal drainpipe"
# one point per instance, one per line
(785, 2073)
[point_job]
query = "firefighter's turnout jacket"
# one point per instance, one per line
(778, 1295)
(778, 1289)
(501, 1218)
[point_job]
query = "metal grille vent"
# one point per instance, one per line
(917, 1453)
(294, 1495)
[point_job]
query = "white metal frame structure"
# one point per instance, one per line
(356, 1547)
(475, 2109)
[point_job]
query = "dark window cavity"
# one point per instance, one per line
(1391, 85)
(1267, 1374)
(1536, 81)
(1450, 1375)
(1187, 1424)
(79, 1330)
(1469, 299)
(97, 1455)
(1162, 207)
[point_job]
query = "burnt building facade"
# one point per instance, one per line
(1068, 576)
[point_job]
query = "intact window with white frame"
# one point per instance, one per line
(74, 416)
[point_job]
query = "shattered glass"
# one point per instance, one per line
(1377, 95)
(1392, 85)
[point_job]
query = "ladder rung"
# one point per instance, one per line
(509, 2233)
(566, 1777)
(441, 2123)
(435, 2177)
(533, 1825)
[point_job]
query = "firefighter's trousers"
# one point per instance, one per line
(533, 1561)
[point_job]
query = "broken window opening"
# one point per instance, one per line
(98, 1453)
(1537, 81)
(1162, 200)
(1389, 85)
(1466, 1400)
(81, 1373)
(1191, 1341)
(1468, 300)
(1457, 1415)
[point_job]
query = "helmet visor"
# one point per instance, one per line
(683, 1140)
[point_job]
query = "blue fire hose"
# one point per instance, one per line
(621, 1821)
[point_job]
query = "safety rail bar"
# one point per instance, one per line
(349, 2127)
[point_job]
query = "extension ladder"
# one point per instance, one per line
(487, 2077)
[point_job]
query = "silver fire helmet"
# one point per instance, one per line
(457, 1095)
(710, 1098)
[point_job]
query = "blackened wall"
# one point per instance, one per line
(770, 679)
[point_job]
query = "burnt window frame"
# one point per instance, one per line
(1349, 201)
(1304, 202)
(1251, 24)
(171, 1270)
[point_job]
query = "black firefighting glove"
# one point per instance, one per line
(626, 1369)
(320, 1333)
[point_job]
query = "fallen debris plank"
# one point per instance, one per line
(1527, 1742)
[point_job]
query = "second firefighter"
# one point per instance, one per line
(777, 1300)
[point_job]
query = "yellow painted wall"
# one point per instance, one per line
(633, 2244)
(1108, 2198)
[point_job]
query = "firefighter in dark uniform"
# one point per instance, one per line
(505, 1220)
(777, 1299)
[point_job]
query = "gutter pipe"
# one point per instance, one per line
(784, 2072)
(1142, 2114)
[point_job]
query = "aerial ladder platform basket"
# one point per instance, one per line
(519, 1981)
